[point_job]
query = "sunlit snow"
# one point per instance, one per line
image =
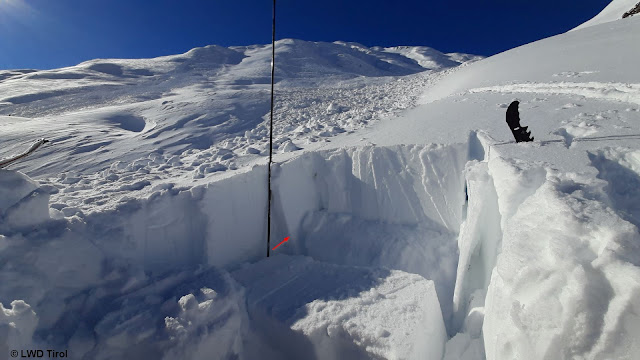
(418, 228)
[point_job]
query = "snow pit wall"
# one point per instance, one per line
(223, 223)
(397, 207)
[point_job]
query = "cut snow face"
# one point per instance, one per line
(360, 211)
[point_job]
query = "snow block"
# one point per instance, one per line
(22, 202)
(17, 325)
(313, 310)
(567, 280)
(14, 186)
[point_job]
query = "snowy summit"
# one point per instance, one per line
(417, 227)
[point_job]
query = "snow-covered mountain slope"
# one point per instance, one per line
(614, 11)
(430, 58)
(553, 60)
(418, 229)
(127, 108)
(201, 112)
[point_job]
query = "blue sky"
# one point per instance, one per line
(54, 33)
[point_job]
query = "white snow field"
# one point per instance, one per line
(614, 11)
(418, 228)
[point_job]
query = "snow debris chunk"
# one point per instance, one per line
(339, 312)
(17, 325)
(334, 108)
(252, 150)
(288, 146)
(14, 186)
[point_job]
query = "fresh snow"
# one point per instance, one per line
(614, 11)
(418, 228)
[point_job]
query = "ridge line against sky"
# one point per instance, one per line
(44, 34)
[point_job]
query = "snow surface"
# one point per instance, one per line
(418, 228)
(362, 313)
(612, 12)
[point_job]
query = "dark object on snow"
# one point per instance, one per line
(15, 158)
(520, 133)
(635, 10)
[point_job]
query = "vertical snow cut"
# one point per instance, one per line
(373, 237)
(368, 217)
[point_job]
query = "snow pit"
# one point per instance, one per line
(371, 271)
(23, 202)
(380, 223)
(412, 190)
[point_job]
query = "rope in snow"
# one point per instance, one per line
(273, 67)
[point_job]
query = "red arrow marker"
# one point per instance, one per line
(281, 242)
